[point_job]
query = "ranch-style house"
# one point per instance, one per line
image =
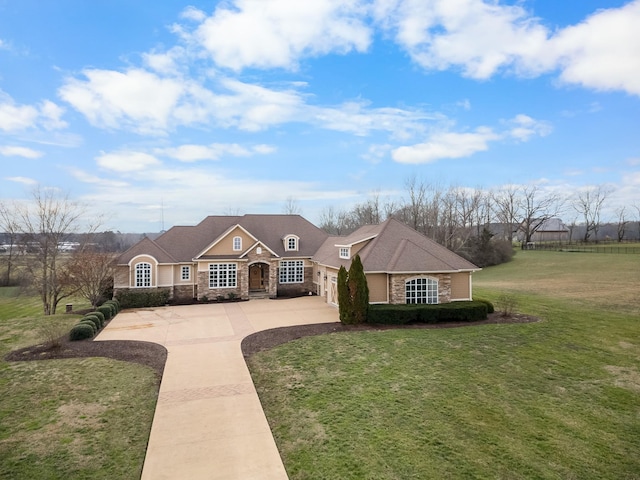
(272, 256)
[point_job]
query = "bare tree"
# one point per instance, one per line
(291, 206)
(505, 203)
(415, 204)
(47, 222)
(536, 208)
(588, 203)
(10, 227)
(91, 274)
(622, 223)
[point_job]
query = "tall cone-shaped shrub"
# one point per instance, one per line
(344, 302)
(358, 291)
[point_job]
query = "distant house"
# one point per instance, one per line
(550, 230)
(286, 255)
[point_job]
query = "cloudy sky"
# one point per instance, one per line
(177, 110)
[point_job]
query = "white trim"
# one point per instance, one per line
(286, 239)
(222, 236)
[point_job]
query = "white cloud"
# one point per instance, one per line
(477, 36)
(523, 127)
(603, 51)
(12, 151)
(16, 118)
(23, 180)
(446, 145)
(214, 151)
(86, 177)
(140, 99)
(277, 33)
(127, 161)
(483, 38)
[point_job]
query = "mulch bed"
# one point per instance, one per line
(267, 339)
(155, 356)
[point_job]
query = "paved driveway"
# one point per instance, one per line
(209, 422)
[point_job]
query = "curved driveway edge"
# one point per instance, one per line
(208, 422)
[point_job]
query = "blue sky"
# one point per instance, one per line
(178, 110)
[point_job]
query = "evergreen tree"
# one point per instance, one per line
(358, 291)
(344, 303)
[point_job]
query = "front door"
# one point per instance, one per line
(256, 277)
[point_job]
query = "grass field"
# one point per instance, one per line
(555, 399)
(73, 419)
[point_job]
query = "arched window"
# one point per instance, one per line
(237, 244)
(291, 243)
(421, 290)
(143, 274)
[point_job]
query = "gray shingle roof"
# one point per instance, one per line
(183, 243)
(395, 248)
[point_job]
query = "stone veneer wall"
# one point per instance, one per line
(397, 287)
(185, 292)
(242, 289)
(294, 289)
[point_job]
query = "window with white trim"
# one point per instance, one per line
(291, 243)
(344, 252)
(223, 275)
(143, 274)
(185, 272)
(237, 244)
(421, 290)
(291, 271)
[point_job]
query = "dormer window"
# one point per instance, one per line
(345, 252)
(291, 243)
(237, 244)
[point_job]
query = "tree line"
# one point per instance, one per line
(460, 217)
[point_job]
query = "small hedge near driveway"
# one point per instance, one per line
(422, 313)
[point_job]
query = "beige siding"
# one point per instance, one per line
(121, 277)
(460, 285)
(177, 275)
(225, 245)
(165, 277)
(378, 287)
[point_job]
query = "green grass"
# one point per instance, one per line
(73, 419)
(555, 399)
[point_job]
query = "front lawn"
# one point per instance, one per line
(75, 419)
(554, 399)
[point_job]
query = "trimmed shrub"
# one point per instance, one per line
(490, 307)
(81, 331)
(113, 302)
(443, 312)
(93, 319)
(106, 310)
(139, 298)
(100, 317)
(90, 324)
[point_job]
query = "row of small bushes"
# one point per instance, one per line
(421, 313)
(140, 298)
(92, 322)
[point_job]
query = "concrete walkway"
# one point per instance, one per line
(209, 422)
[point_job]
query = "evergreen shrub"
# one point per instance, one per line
(139, 298)
(81, 331)
(421, 313)
(90, 324)
(93, 319)
(106, 310)
(100, 317)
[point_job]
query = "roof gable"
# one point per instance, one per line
(149, 247)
